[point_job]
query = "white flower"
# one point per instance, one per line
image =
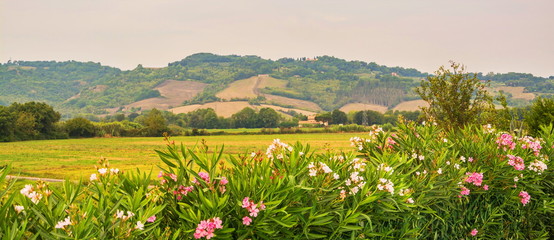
(130, 214)
(65, 222)
(336, 176)
(421, 157)
(445, 140)
(93, 177)
(140, 226)
(457, 166)
(18, 208)
(354, 190)
(35, 197)
(325, 168)
(516, 179)
(102, 171)
(313, 172)
(253, 154)
(439, 171)
(114, 170)
(119, 214)
(410, 200)
(26, 190)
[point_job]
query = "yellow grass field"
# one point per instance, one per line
(75, 158)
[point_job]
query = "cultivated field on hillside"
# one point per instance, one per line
(75, 158)
(173, 92)
(363, 107)
(410, 105)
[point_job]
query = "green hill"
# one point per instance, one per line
(79, 87)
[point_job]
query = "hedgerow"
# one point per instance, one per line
(416, 182)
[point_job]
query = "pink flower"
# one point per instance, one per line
(474, 232)
(525, 197)
(173, 176)
(205, 176)
(151, 219)
(465, 191)
(223, 181)
(245, 202)
(206, 228)
(506, 141)
(252, 207)
(161, 174)
(486, 187)
(475, 178)
(516, 161)
(246, 220)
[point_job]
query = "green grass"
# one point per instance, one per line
(75, 158)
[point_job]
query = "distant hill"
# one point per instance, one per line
(319, 84)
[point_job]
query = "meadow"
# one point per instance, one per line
(75, 158)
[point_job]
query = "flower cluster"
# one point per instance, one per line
(358, 164)
(358, 142)
(253, 208)
(318, 167)
(386, 168)
(356, 181)
(275, 147)
(30, 192)
(63, 223)
(204, 175)
(170, 175)
(525, 197)
(206, 228)
(531, 143)
(506, 141)
(488, 128)
(103, 172)
(121, 215)
(375, 131)
(464, 191)
(18, 208)
(537, 166)
(182, 191)
(386, 185)
(516, 162)
(475, 178)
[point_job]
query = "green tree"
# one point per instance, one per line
(324, 117)
(268, 118)
(541, 113)
(203, 118)
(6, 125)
(42, 114)
(338, 117)
(368, 117)
(245, 118)
(455, 97)
(80, 127)
(155, 124)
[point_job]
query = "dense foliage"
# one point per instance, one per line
(420, 182)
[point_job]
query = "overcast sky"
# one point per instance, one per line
(485, 35)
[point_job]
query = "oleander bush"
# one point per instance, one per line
(415, 182)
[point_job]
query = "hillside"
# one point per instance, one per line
(319, 84)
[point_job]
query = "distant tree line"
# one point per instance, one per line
(35, 120)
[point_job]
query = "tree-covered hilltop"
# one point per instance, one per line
(78, 87)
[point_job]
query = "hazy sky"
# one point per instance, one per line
(485, 35)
